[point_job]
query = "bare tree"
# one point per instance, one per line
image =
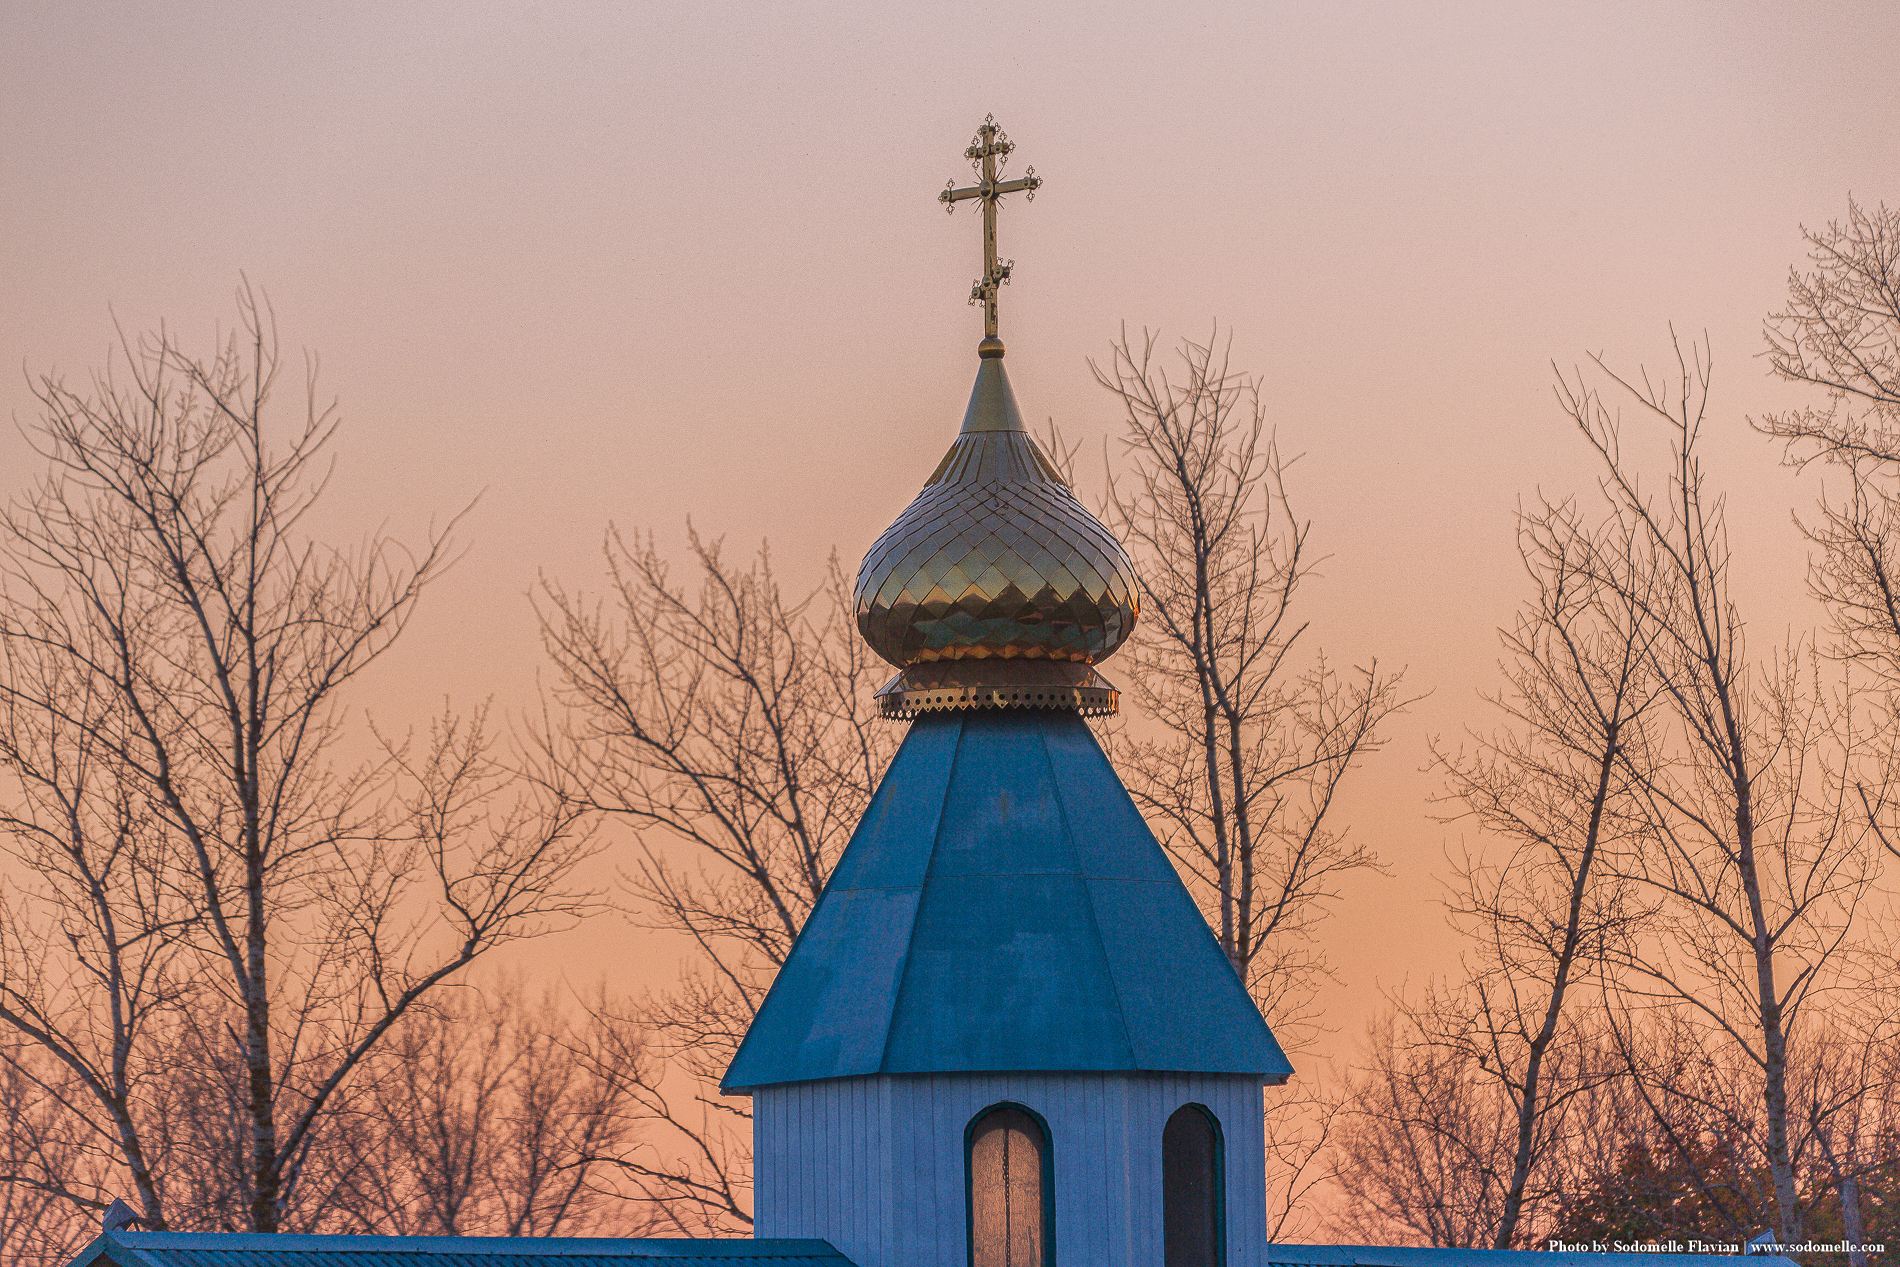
(51, 1187)
(696, 1176)
(1418, 1152)
(490, 1114)
(732, 729)
(1254, 747)
(1681, 835)
(1840, 332)
(1255, 736)
(1426, 1146)
(1553, 790)
(1647, 1165)
(93, 948)
(1851, 1095)
(174, 658)
(1749, 855)
(1677, 1149)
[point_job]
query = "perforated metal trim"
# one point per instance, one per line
(947, 687)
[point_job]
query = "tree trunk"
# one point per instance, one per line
(1774, 1035)
(1852, 1229)
(1527, 1105)
(1244, 947)
(265, 1181)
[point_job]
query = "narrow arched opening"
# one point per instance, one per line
(1193, 1183)
(1009, 1188)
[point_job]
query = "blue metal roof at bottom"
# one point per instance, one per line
(236, 1249)
(1415, 1256)
(1003, 907)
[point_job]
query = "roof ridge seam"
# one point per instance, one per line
(1088, 895)
(1252, 1003)
(916, 915)
(823, 893)
(144, 1255)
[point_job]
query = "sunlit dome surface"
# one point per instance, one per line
(995, 558)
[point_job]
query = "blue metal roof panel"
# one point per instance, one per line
(851, 958)
(1049, 931)
(891, 846)
(1101, 813)
(1413, 1256)
(1167, 966)
(214, 1249)
(1001, 814)
(1006, 972)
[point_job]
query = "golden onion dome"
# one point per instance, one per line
(996, 586)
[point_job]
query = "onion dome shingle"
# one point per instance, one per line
(996, 560)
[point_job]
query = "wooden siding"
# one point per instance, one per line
(875, 1164)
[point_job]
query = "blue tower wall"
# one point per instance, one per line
(875, 1165)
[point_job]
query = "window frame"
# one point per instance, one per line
(1048, 1179)
(1220, 1175)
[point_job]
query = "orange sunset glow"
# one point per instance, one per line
(574, 264)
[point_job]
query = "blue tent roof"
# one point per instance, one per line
(227, 1249)
(1003, 907)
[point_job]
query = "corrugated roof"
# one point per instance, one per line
(1410, 1256)
(1003, 907)
(234, 1249)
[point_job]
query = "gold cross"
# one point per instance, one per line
(987, 155)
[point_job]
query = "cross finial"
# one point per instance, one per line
(987, 154)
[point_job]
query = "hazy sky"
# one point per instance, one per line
(631, 262)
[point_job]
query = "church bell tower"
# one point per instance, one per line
(1006, 1036)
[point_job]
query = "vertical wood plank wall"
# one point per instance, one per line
(875, 1164)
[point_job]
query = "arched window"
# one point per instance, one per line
(1009, 1189)
(1192, 1185)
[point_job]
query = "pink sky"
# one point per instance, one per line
(630, 262)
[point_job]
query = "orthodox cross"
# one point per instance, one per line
(987, 155)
